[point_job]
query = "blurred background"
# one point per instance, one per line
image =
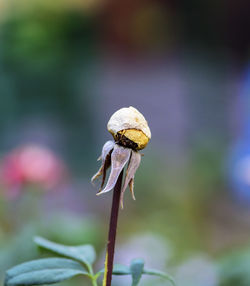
(65, 67)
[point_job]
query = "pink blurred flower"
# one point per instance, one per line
(31, 164)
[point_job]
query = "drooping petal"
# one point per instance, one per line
(106, 165)
(105, 156)
(99, 172)
(119, 158)
(131, 188)
(133, 165)
(107, 147)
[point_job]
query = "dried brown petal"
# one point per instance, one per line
(119, 158)
(105, 156)
(133, 165)
(131, 188)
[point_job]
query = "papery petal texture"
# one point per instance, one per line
(119, 158)
(133, 165)
(107, 147)
(105, 157)
(131, 188)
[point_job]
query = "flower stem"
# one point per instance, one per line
(112, 232)
(94, 283)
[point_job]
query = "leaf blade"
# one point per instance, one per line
(83, 253)
(48, 263)
(118, 269)
(136, 268)
(43, 271)
(41, 277)
(159, 274)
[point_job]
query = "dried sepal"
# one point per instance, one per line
(105, 157)
(131, 188)
(119, 158)
(134, 163)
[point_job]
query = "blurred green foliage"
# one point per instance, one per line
(234, 268)
(48, 70)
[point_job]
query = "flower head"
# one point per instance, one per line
(129, 127)
(131, 133)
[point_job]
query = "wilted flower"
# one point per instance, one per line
(131, 133)
(31, 164)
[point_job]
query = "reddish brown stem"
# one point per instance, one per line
(113, 228)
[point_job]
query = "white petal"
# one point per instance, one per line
(119, 158)
(133, 165)
(128, 118)
(107, 147)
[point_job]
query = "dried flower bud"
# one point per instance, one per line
(131, 133)
(129, 128)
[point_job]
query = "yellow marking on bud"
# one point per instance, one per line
(128, 118)
(137, 136)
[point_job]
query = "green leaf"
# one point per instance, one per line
(43, 271)
(136, 268)
(234, 266)
(119, 269)
(83, 253)
(159, 274)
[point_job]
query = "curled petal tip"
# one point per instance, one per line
(99, 192)
(105, 157)
(103, 192)
(98, 174)
(121, 200)
(131, 188)
(122, 207)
